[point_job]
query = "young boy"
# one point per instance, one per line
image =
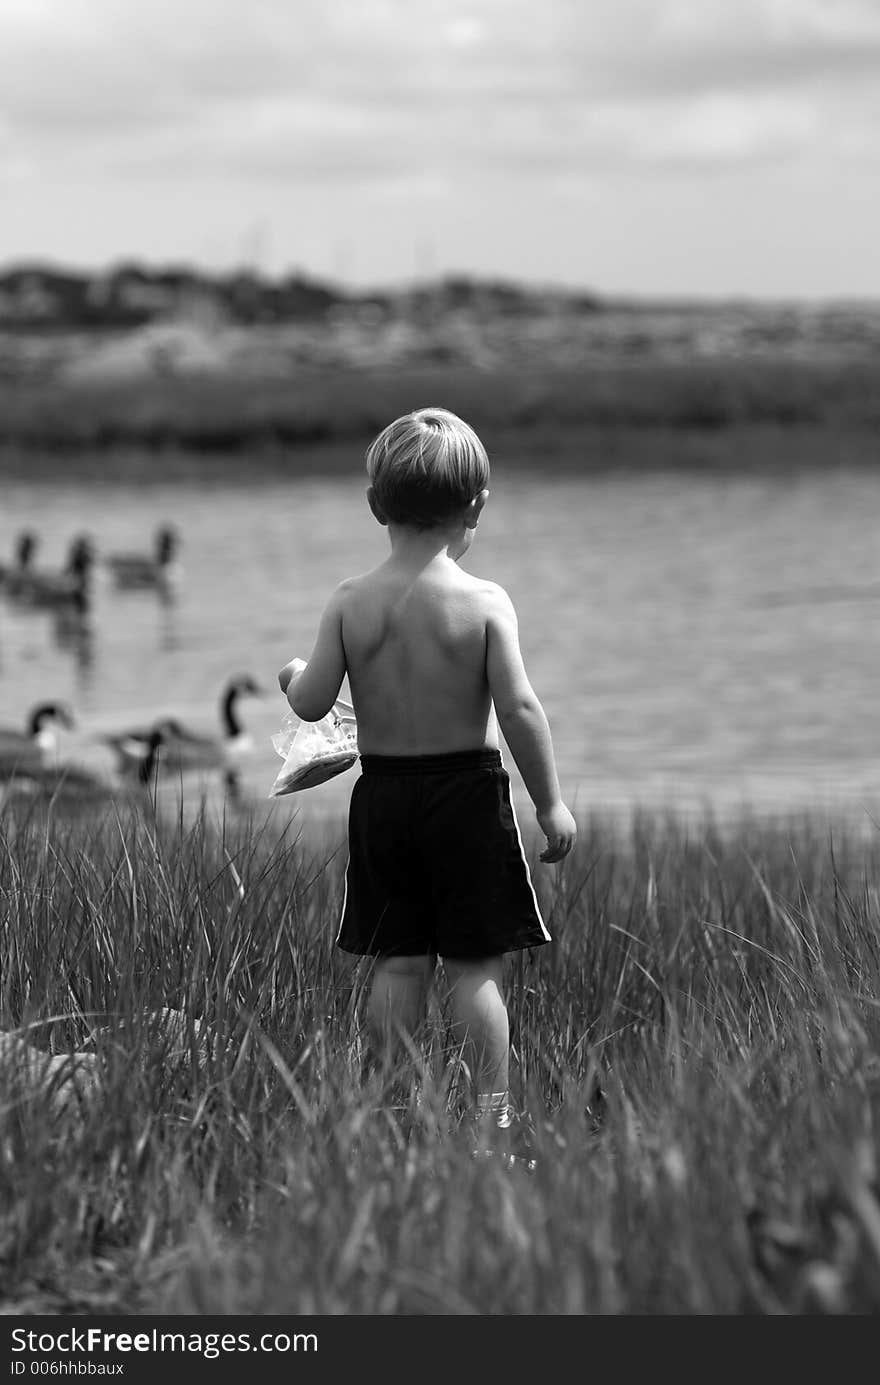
(436, 866)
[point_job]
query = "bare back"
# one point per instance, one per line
(415, 652)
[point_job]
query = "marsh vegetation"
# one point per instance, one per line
(697, 1052)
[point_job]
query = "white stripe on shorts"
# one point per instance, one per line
(344, 900)
(528, 876)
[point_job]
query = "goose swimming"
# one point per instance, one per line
(68, 782)
(185, 750)
(34, 748)
(160, 569)
(67, 587)
(19, 569)
(130, 747)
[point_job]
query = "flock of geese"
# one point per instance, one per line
(26, 583)
(29, 754)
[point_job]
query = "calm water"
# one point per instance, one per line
(693, 641)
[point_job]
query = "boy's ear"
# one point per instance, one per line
(378, 512)
(475, 509)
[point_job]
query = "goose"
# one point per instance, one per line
(18, 571)
(142, 570)
(69, 587)
(66, 782)
(131, 747)
(34, 747)
(185, 750)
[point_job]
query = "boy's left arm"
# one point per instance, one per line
(313, 687)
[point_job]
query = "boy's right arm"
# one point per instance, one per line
(312, 685)
(290, 671)
(524, 724)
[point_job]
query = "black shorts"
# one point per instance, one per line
(436, 864)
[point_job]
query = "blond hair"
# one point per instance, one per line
(425, 467)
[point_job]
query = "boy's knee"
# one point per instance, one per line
(398, 992)
(471, 976)
(476, 993)
(415, 968)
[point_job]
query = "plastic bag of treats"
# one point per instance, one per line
(314, 751)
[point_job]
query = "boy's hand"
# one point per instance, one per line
(560, 829)
(289, 671)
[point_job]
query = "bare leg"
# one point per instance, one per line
(398, 998)
(480, 1026)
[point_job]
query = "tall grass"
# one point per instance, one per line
(698, 1051)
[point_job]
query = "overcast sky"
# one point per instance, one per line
(663, 147)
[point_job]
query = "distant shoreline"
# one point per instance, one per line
(551, 452)
(695, 415)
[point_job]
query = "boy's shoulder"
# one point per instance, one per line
(482, 596)
(348, 587)
(363, 583)
(491, 596)
(494, 596)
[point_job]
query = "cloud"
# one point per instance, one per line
(342, 89)
(701, 44)
(716, 129)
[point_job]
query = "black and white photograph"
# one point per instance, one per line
(439, 667)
